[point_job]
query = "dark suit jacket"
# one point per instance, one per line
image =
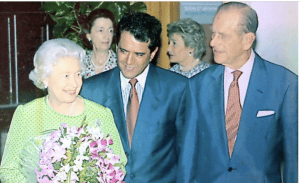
(155, 145)
(262, 142)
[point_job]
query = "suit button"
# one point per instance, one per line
(230, 169)
(132, 176)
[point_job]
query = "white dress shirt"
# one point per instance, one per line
(126, 87)
(243, 80)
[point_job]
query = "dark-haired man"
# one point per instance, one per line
(147, 102)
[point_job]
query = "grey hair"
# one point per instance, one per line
(47, 56)
(249, 20)
(192, 33)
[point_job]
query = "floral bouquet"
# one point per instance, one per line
(72, 154)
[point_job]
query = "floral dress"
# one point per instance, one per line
(90, 67)
(200, 67)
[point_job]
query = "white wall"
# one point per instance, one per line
(277, 34)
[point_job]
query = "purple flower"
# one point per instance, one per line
(104, 142)
(84, 144)
(58, 152)
(64, 125)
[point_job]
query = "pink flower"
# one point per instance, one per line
(84, 144)
(93, 144)
(58, 153)
(64, 125)
(80, 131)
(104, 142)
(120, 175)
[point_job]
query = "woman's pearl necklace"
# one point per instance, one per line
(101, 66)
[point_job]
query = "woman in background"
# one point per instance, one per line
(99, 28)
(58, 68)
(186, 47)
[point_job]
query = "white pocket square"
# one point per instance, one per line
(264, 113)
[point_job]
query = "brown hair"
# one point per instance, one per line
(89, 23)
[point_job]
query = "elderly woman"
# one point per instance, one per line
(186, 47)
(58, 68)
(99, 28)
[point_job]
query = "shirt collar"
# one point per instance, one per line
(141, 78)
(246, 68)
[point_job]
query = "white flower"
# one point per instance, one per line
(66, 142)
(95, 132)
(82, 148)
(74, 177)
(65, 169)
(72, 131)
(78, 162)
(89, 141)
(61, 176)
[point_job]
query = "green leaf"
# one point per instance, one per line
(74, 37)
(83, 9)
(69, 155)
(56, 165)
(95, 5)
(139, 6)
(122, 7)
(77, 145)
(69, 176)
(54, 18)
(70, 19)
(50, 7)
(64, 14)
(104, 4)
(69, 4)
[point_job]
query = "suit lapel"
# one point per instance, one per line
(150, 100)
(114, 101)
(217, 102)
(254, 100)
(152, 87)
(257, 85)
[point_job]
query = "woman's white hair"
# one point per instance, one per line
(48, 54)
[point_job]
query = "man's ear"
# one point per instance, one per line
(249, 39)
(153, 54)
